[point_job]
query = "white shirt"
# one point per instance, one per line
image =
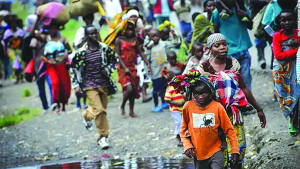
(79, 36)
(112, 8)
(183, 13)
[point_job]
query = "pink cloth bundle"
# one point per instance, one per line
(53, 13)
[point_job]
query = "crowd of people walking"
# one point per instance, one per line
(201, 74)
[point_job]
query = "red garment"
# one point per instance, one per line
(61, 84)
(180, 65)
(129, 57)
(29, 71)
(157, 7)
(279, 38)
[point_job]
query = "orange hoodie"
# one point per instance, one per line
(202, 124)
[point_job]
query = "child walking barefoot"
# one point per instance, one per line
(203, 117)
(127, 48)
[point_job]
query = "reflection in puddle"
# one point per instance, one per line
(133, 163)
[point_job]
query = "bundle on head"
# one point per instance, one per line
(53, 13)
(82, 7)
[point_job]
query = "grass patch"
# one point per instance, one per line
(20, 9)
(26, 92)
(21, 114)
(70, 30)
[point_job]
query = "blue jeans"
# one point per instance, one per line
(185, 28)
(6, 67)
(42, 92)
(244, 59)
(177, 121)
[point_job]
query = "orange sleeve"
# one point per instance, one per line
(279, 54)
(228, 130)
(184, 127)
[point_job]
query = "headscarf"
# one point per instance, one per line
(166, 24)
(184, 83)
(30, 20)
(132, 12)
(216, 37)
(203, 28)
(119, 30)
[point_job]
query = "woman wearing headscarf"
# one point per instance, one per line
(119, 23)
(56, 53)
(117, 28)
(128, 49)
(224, 72)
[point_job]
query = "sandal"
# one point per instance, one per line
(245, 19)
(56, 111)
(224, 16)
(293, 132)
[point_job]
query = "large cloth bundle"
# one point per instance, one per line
(53, 13)
(82, 7)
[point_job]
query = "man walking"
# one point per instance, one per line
(95, 62)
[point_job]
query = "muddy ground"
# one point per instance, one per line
(57, 137)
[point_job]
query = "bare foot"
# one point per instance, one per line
(146, 99)
(133, 115)
(56, 111)
(122, 110)
(179, 143)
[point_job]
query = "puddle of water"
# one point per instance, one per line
(133, 163)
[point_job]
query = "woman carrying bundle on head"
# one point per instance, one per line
(56, 54)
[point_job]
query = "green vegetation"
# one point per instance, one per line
(20, 9)
(21, 114)
(26, 92)
(70, 30)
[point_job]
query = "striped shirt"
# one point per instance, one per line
(93, 76)
(171, 95)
